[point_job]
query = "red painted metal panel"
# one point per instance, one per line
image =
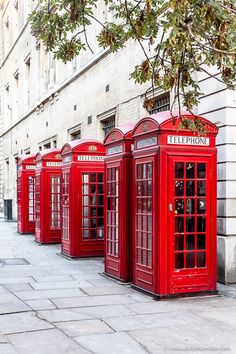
(48, 196)
(180, 168)
(83, 198)
(118, 203)
(25, 194)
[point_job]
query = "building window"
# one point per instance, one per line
(160, 104)
(89, 120)
(27, 77)
(27, 151)
(47, 145)
(108, 124)
(75, 132)
(76, 135)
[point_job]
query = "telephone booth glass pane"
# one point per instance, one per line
(55, 202)
(31, 198)
(65, 206)
(37, 202)
(190, 214)
(112, 211)
(144, 214)
(92, 206)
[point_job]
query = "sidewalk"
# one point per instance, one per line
(51, 305)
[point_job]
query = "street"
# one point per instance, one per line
(50, 304)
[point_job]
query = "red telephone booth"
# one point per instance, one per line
(174, 207)
(48, 196)
(118, 208)
(83, 198)
(25, 194)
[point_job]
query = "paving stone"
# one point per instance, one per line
(103, 282)
(93, 301)
(18, 287)
(49, 294)
(86, 276)
(14, 261)
(42, 304)
(83, 327)
(22, 322)
(225, 316)
(10, 304)
(3, 290)
(72, 284)
(50, 341)
(6, 348)
(63, 315)
(106, 311)
(53, 278)
(3, 338)
(109, 290)
(15, 280)
(214, 334)
(164, 340)
(168, 319)
(114, 343)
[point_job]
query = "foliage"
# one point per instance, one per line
(178, 38)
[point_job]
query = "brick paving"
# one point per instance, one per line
(49, 304)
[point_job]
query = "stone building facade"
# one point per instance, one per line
(44, 103)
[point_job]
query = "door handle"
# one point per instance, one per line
(170, 207)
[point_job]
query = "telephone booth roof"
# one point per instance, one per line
(25, 159)
(48, 154)
(162, 121)
(83, 145)
(123, 132)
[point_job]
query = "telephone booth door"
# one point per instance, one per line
(83, 198)
(48, 196)
(26, 194)
(144, 242)
(175, 207)
(118, 198)
(190, 222)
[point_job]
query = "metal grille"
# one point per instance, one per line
(190, 215)
(144, 214)
(92, 206)
(55, 202)
(161, 104)
(112, 211)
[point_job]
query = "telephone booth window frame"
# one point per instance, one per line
(92, 203)
(65, 206)
(37, 201)
(143, 217)
(31, 191)
(112, 226)
(55, 202)
(19, 191)
(191, 196)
